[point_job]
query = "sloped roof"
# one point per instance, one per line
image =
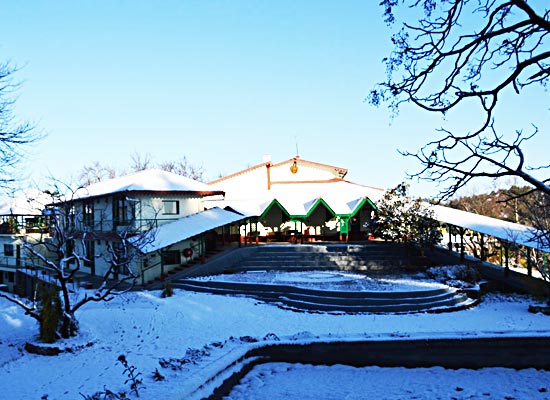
(342, 197)
(298, 193)
(187, 227)
(152, 180)
(336, 171)
(29, 203)
(497, 228)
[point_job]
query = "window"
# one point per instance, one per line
(88, 213)
(120, 211)
(171, 257)
(170, 207)
(8, 250)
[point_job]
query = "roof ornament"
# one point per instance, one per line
(294, 166)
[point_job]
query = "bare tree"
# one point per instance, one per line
(94, 173)
(185, 168)
(14, 135)
(141, 162)
(97, 172)
(61, 253)
(468, 52)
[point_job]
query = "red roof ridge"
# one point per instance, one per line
(234, 174)
(310, 181)
(342, 171)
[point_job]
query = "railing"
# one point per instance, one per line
(22, 262)
(134, 225)
(15, 227)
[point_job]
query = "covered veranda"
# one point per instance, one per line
(493, 240)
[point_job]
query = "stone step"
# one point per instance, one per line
(336, 301)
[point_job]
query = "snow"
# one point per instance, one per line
(151, 180)
(500, 229)
(31, 202)
(277, 382)
(186, 227)
(298, 193)
(331, 280)
(196, 335)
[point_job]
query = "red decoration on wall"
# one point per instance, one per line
(188, 252)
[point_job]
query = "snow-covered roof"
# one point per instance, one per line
(245, 208)
(297, 192)
(152, 180)
(500, 229)
(340, 195)
(187, 227)
(28, 203)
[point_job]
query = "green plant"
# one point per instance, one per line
(400, 218)
(168, 291)
(51, 313)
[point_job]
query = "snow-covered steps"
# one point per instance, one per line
(372, 257)
(312, 300)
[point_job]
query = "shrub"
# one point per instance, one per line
(168, 291)
(50, 312)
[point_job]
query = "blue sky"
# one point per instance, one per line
(220, 82)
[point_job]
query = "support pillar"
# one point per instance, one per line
(507, 256)
(529, 265)
(462, 232)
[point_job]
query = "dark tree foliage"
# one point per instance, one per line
(513, 204)
(14, 135)
(456, 53)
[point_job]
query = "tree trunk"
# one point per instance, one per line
(69, 326)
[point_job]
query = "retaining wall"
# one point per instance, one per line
(507, 352)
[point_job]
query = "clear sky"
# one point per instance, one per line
(220, 82)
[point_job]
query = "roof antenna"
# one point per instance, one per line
(296, 142)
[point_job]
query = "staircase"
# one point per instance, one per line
(311, 300)
(372, 258)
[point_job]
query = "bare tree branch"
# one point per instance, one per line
(463, 51)
(14, 135)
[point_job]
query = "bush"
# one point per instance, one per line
(168, 291)
(455, 275)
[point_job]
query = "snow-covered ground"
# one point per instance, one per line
(331, 280)
(188, 338)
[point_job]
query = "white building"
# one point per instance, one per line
(297, 198)
(21, 219)
(162, 215)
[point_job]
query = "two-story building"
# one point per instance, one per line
(160, 216)
(21, 220)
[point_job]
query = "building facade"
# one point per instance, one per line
(298, 199)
